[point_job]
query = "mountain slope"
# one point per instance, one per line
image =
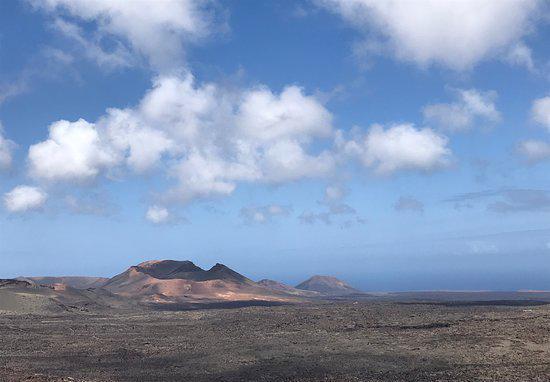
(278, 286)
(169, 281)
(17, 296)
(76, 282)
(328, 285)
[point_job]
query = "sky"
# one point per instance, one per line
(397, 145)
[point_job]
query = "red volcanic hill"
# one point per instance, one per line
(169, 281)
(327, 285)
(163, 282)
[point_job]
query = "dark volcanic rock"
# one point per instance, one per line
(77, 282)
(14, 283)
(221, 272)
(171, 269)
(336, 342)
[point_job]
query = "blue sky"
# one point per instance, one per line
(397, 145)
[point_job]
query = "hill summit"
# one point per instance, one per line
(327, 285)
(172, 269)
(169, 281)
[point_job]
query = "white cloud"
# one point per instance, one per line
(541, 111)
(268, 117)
(534, 150)
(6, 151)
(208, 139)
(152, 29)
(24, 198)
(521, 55)
(456, 34)
(73, 152)
(264, 214)
(158, 215)
(399, 147)
(287, 160)
(90, 47)
(472, 106)
(205, 138)
(127, 133)
(226, 137)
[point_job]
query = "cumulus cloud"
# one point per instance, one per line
(155, 30)
(211, 139)
(398, 147)
(471, 107)
(6, 151)
(252, 135)
(405, 203)
(74, 151)
(534, 150)
(456, 34)
(158, 214)
(267, 117)
(264, 214)
(24, 198)
(540, 111)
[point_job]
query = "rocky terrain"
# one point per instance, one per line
(337, 341)
(161, 321)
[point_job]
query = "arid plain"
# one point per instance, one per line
(173, 321)
(336, 341)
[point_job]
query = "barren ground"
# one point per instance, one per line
(366, 341)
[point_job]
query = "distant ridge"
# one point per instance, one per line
(170, 281)
(327, 285)
(177, 285)
(169, 284)
(172, 269)
(279, 286)
(77, 282)
(22, 296)
(275, 285)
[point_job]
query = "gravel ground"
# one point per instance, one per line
(317, 342)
